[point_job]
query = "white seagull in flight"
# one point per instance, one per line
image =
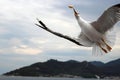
(97, 34)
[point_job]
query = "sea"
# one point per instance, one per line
(44, 78)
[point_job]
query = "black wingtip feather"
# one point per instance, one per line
(42, 23)
(117, 5)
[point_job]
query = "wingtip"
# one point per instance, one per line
(117, 5)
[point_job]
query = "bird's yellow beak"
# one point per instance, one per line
(75, 12)
(70, 6)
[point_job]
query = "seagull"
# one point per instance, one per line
(99, 34)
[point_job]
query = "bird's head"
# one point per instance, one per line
(75, 12)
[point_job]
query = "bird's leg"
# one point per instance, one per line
(108, 47)
(75, 12)
(102, 48)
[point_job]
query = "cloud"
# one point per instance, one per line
(3, 31)
(18, 19)
(19, 46)
(38, 41)
(23, 50)
(26, 50)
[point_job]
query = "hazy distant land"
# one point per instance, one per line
(71, 69)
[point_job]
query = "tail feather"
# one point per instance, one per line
(97, 51)
(109, 38)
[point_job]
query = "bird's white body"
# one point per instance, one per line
(89, 31)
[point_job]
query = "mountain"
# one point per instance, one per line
(97, 63)
(69, 68)
(112, 68)
(54, 68)
(113, 63)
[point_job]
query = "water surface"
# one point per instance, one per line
(42, 78)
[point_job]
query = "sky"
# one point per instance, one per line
(22, 43)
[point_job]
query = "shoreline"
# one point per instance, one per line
(111, 78)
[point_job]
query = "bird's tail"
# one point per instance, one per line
(109, 38)
(96, 50)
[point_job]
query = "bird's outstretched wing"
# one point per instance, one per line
(107, 20)
(43, 26)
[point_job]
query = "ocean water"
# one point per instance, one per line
(43, 78)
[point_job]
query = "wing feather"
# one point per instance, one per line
(84, 40)
(108, 19)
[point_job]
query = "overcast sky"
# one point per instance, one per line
(22, 43)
